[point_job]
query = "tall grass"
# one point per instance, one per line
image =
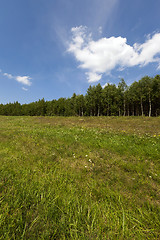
(79, 178)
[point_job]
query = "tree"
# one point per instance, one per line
(147, 83)
(80, 104)
(98, 99)
(90, 101)
(156, 95)
(140, 98)
(122, 86)
(110, 100)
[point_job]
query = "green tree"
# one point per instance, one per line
(156, 95)
(80, 104)
(98, 99)
(122, 87)
(90, 101)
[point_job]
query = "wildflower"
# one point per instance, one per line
(90, 160)
(86, 155)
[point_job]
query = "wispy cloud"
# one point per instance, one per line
(96, 15)
(25, 80)
(100, 30)
(105, 54)
(25, 89)
(8, 75)
(101, 13)
(158, 68)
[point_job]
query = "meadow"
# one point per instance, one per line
(79, 178)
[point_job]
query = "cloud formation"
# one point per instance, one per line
(25, 80)
(105, 54)
(25, 89)
(8, 75)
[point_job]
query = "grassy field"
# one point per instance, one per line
(79, 178)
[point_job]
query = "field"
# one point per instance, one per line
(79, 178)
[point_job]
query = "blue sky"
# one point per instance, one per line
(53, 48)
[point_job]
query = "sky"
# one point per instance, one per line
(54, 48)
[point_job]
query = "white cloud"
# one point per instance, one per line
(8, 75)
(24, 80)
(104, 55)
(93, 77)
(100, 30)
(106, 84)
(25, 89)
(158, 68)
(21, 79)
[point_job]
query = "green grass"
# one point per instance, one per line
(79, 178)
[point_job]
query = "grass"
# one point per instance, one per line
(79, 178)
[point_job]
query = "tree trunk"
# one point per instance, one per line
(119, 112)
(82, 112)
(98, 112)
(133, 110)
(124, 108)
(150, 106)
(108, 110)
(108, 106)
(142, 107)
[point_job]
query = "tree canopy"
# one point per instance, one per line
(141, 98)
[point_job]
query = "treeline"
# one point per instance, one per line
(142, 98)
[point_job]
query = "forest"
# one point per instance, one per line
(141, 98)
